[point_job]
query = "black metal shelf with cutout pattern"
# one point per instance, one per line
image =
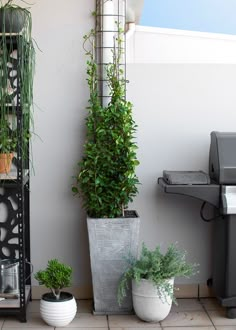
(14, 195)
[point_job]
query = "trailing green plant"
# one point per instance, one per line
(17, 63)
(106, 179)
(157, 267)
(55, 277)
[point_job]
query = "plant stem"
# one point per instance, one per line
(56, 293)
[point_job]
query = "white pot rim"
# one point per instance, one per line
(150, 281)
(65, 296)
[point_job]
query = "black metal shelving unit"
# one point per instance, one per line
(14, 201)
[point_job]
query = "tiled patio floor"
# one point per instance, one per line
(205, 314)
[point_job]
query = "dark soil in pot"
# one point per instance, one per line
(65, 296)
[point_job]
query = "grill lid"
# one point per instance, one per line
(222, 158)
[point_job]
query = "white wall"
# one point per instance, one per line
(159, 45)
(57, 221)
(175, 105)
(179, 97)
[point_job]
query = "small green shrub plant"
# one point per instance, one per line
(157, 267)
(55, 277)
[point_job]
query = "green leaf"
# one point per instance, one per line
(55, 277)
(75, 190)
(157, 267)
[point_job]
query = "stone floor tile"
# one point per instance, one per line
(188, 315)
(185, 305)
(219, 318)
(34, 320)
(189, 328)
(151, 326)
(211, 304)
(83, 328)
(83, 320)
(19, 327)
(129, 321)
(226, 327)
(190, 318)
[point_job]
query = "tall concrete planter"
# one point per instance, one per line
(110, 241)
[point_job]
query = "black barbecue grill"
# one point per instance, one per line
(217, 188)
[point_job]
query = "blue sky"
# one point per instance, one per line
(217, 16)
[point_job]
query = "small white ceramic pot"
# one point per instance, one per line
(148, 306)
(58, 313)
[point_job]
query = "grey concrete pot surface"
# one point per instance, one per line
(110, 242)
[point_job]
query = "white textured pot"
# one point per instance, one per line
(58, 313)
(148, 306)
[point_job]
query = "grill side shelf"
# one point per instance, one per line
(209, 193)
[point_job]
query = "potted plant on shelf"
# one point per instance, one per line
(17, 61)
(107, 182)
(57, 308)
(152, 276)
(8, 142)
(12, 17)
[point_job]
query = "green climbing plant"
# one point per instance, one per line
(106, 178)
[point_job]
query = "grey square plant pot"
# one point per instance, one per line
(111, 241)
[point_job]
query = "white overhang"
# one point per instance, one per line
(134, 11)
